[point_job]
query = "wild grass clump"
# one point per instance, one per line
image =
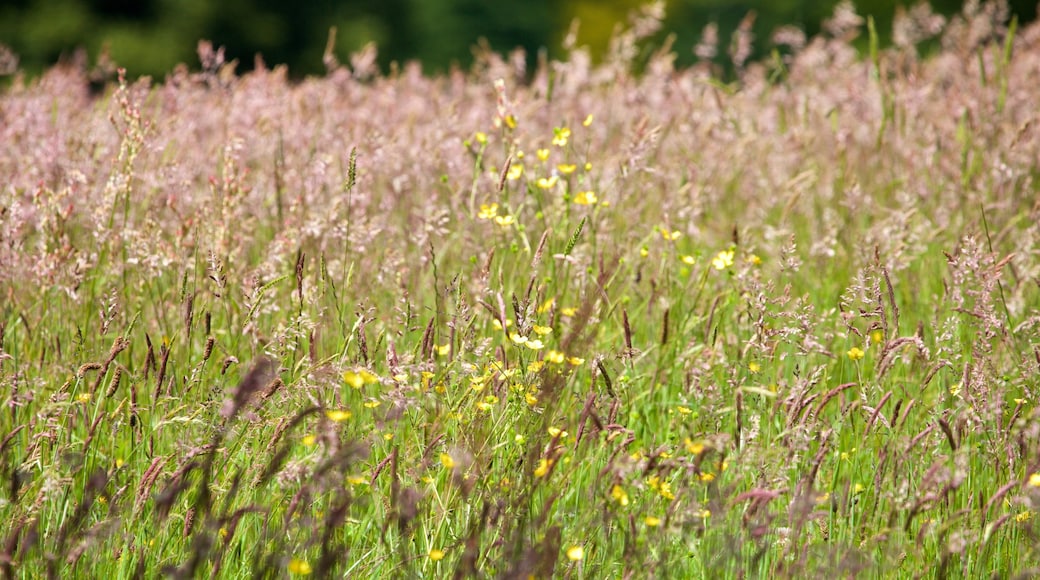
(571, 321)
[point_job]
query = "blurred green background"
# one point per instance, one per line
(151, 36)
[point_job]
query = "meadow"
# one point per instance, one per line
(573, 319)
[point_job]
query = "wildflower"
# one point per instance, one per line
(309, 440)
(1034, 480)
(83, 398)
(301, 567)
(120, 463)
(566, 168)
(534, 344)
(356, 480)
(569, 311)
(575, 553)
(442, 349)
(223, 532)
(955, 390)
(359, 378)
(481, 137)
(723, 260)
(560, 136)
(586, 198)
(644, 252)
(858, 489)
(823, 498)
(652, 521)
(876, 336)
(338, 415)
(531, 400)
(588, 167)
(684, 410)
(543, 154)
(555, 357)
(1024, 516)
(618, 494)
(669, 235)
(754, 260)
(587, 121)
(694, 447)
(498, 324)
(855, 353)
(575, 361)
(519, 439)
(517, 339)
(447, 461)
(688, 260)
(666, 490)
(707, 477)
(543, 467)
(505, 220)
(488, 211)
(547, 182)
(515, 171)
(705, 514)
(754, 367)
(541, 330)
(546, 306)
(535, 366)
(436, 555)
(557, 432)
(388, 436)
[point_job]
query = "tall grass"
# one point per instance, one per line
(571, 321)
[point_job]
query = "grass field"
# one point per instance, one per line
(566, 321)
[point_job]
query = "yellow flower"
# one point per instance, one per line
(652, 521)
(754, 367)
(566, 168)
(588, 167)
(442, 349)
(541, 330)
(587, 121)
(689, 260)
(668, 235)
(586, 198)
(876, 336)
(555, 357)
(301, 567)
(447, 461)
(543, 467)
(543, 154)
(858, 488)
(530, 399)
(83, 398)
(666, 490)
(705, 514)
(515, 171)
(823, 498)
(436, 555)
(535, 366)
(510, 121)
(120, 463)
(517, 339)
(481, 137)
(309, 440)
(534, 344)
(498, 324)
(359, 377)
(644, 252)
(707, 477)
(618, 494)
(488, 211)
(223, 532)
(547, 182)
(505, 220)
(560, 136)
(569, 311)
(955, 390)
(338, 415)
(694, 447)
(575, 553)
(546, 306)
(684, 410)
(723, 260)
(1024, 516)
(1034, 480)
(754, 260)
(557, 432)
(356, 480)
(575, 361)
(855, 353)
